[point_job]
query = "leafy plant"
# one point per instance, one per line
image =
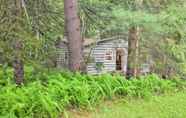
(48, 94)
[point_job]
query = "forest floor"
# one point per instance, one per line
(166, 106)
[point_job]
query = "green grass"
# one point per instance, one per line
(167, 106)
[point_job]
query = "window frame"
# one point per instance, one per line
(107, 55)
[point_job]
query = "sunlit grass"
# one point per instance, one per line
(167, 106)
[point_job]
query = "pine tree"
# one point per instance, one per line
(75, 43)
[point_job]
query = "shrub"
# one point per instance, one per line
(47, 94)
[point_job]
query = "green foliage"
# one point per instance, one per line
(158, 20)
(48, 94)
(43, 20)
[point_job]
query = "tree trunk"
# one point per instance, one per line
(75, 42)
(133, 43)
(18, 62)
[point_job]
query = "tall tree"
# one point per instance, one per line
(18, 62)
(75, 41)
(133, 44)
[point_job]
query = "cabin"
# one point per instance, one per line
(101, 56)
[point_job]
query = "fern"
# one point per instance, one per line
(49, 94)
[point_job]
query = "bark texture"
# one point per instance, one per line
(75, 42)
(133, 43)
(18, 64)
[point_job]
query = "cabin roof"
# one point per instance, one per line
(90, 41)
(86, 42)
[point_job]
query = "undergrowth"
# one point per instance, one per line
(46, 95)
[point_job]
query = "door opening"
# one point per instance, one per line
(119, 59)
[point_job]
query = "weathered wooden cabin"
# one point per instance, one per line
(104, 55)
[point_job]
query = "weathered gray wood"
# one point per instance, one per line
(62, 51)
(98, 55)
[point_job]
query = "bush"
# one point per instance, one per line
(46, 95)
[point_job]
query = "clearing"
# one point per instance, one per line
(166, 106)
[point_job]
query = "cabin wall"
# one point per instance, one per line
(62, 56)
(99, 55)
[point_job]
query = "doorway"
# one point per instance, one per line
(119, 59)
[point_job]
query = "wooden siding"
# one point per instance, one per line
(98, 53)
(62, 56)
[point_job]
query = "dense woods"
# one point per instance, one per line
(34, 26)
(48, 44)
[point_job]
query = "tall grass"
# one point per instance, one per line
(46, 95)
